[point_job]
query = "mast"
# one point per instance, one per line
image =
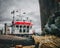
(13, 12)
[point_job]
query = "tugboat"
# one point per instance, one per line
(22, 27)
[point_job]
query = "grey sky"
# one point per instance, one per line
(31, 7)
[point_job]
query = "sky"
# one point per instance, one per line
(30, 7)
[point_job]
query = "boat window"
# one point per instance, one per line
(24, 26)
(17, 26)
(24, 30)
(20, 30)
(20, 26)
(27, 28)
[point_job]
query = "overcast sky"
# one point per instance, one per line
(31, 7)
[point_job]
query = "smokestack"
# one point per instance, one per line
(5, 28)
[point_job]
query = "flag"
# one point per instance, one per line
(17, 11)
(24, 13)
(13, 12)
